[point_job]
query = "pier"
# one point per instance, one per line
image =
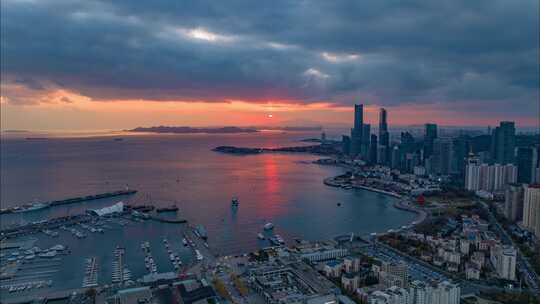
(80, 199)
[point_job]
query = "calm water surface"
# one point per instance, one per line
(284, 189)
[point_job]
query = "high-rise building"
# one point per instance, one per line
(430, 134)
(366, 138)
(358, 116)
(395, 157)
(503, 259)
(346, 145)
(531, 208)
(460, 149)
(526, 159)
(356, 142)
(357, 131)
(441, 159)
(503, 143)
(442, 293)
(383, 127)
(491, 178)
(384, 138)
(472, 173)
(395, 274)
(513, 202)
(373, 149)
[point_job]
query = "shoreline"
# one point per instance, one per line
(421, 215)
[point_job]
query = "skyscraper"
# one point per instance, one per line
(531, 208)
(366, 134)
(346, 145)
(384, 138)
(460, 149)
(358, 130)
(383, 128)
(373, 149)
(526, 158)
(430, 134)
(513, 202)
(441, 159)
(358, 116)
(503, 143)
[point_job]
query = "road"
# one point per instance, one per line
(523, 264)
(209, 259)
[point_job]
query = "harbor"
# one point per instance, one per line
(61, 253)
(42, 205)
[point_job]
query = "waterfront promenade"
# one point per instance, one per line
(402, 204)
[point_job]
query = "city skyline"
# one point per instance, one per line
(182, 65)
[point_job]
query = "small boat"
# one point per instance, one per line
(234, 202)
(260, 236)
(268, 226)
(49, 254)
(184, 242)
(339, 204)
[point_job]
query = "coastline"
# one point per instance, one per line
(421, 215)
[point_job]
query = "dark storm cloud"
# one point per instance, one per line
(386, 51)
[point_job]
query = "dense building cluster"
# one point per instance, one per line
(498, 157)
(467, 249)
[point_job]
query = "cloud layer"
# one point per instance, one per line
(465, 55)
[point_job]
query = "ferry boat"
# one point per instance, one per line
(234, 202)
(268, 226)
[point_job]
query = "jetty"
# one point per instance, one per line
(41, 205)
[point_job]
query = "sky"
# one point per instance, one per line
(87, 64)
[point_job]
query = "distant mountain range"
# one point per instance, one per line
(187, 130)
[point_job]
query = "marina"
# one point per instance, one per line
(121, 273)
(90, 273)
(290, 207)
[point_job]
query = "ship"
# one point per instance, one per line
(234, 202)
(172, 208)
(202, 232)
(268, 226)
(143, 208)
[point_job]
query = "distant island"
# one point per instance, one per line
(189, 130)
(16, 131)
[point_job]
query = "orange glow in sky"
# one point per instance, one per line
(68, 110)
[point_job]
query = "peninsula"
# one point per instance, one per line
(315, 149)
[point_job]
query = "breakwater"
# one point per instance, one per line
(41, 205)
